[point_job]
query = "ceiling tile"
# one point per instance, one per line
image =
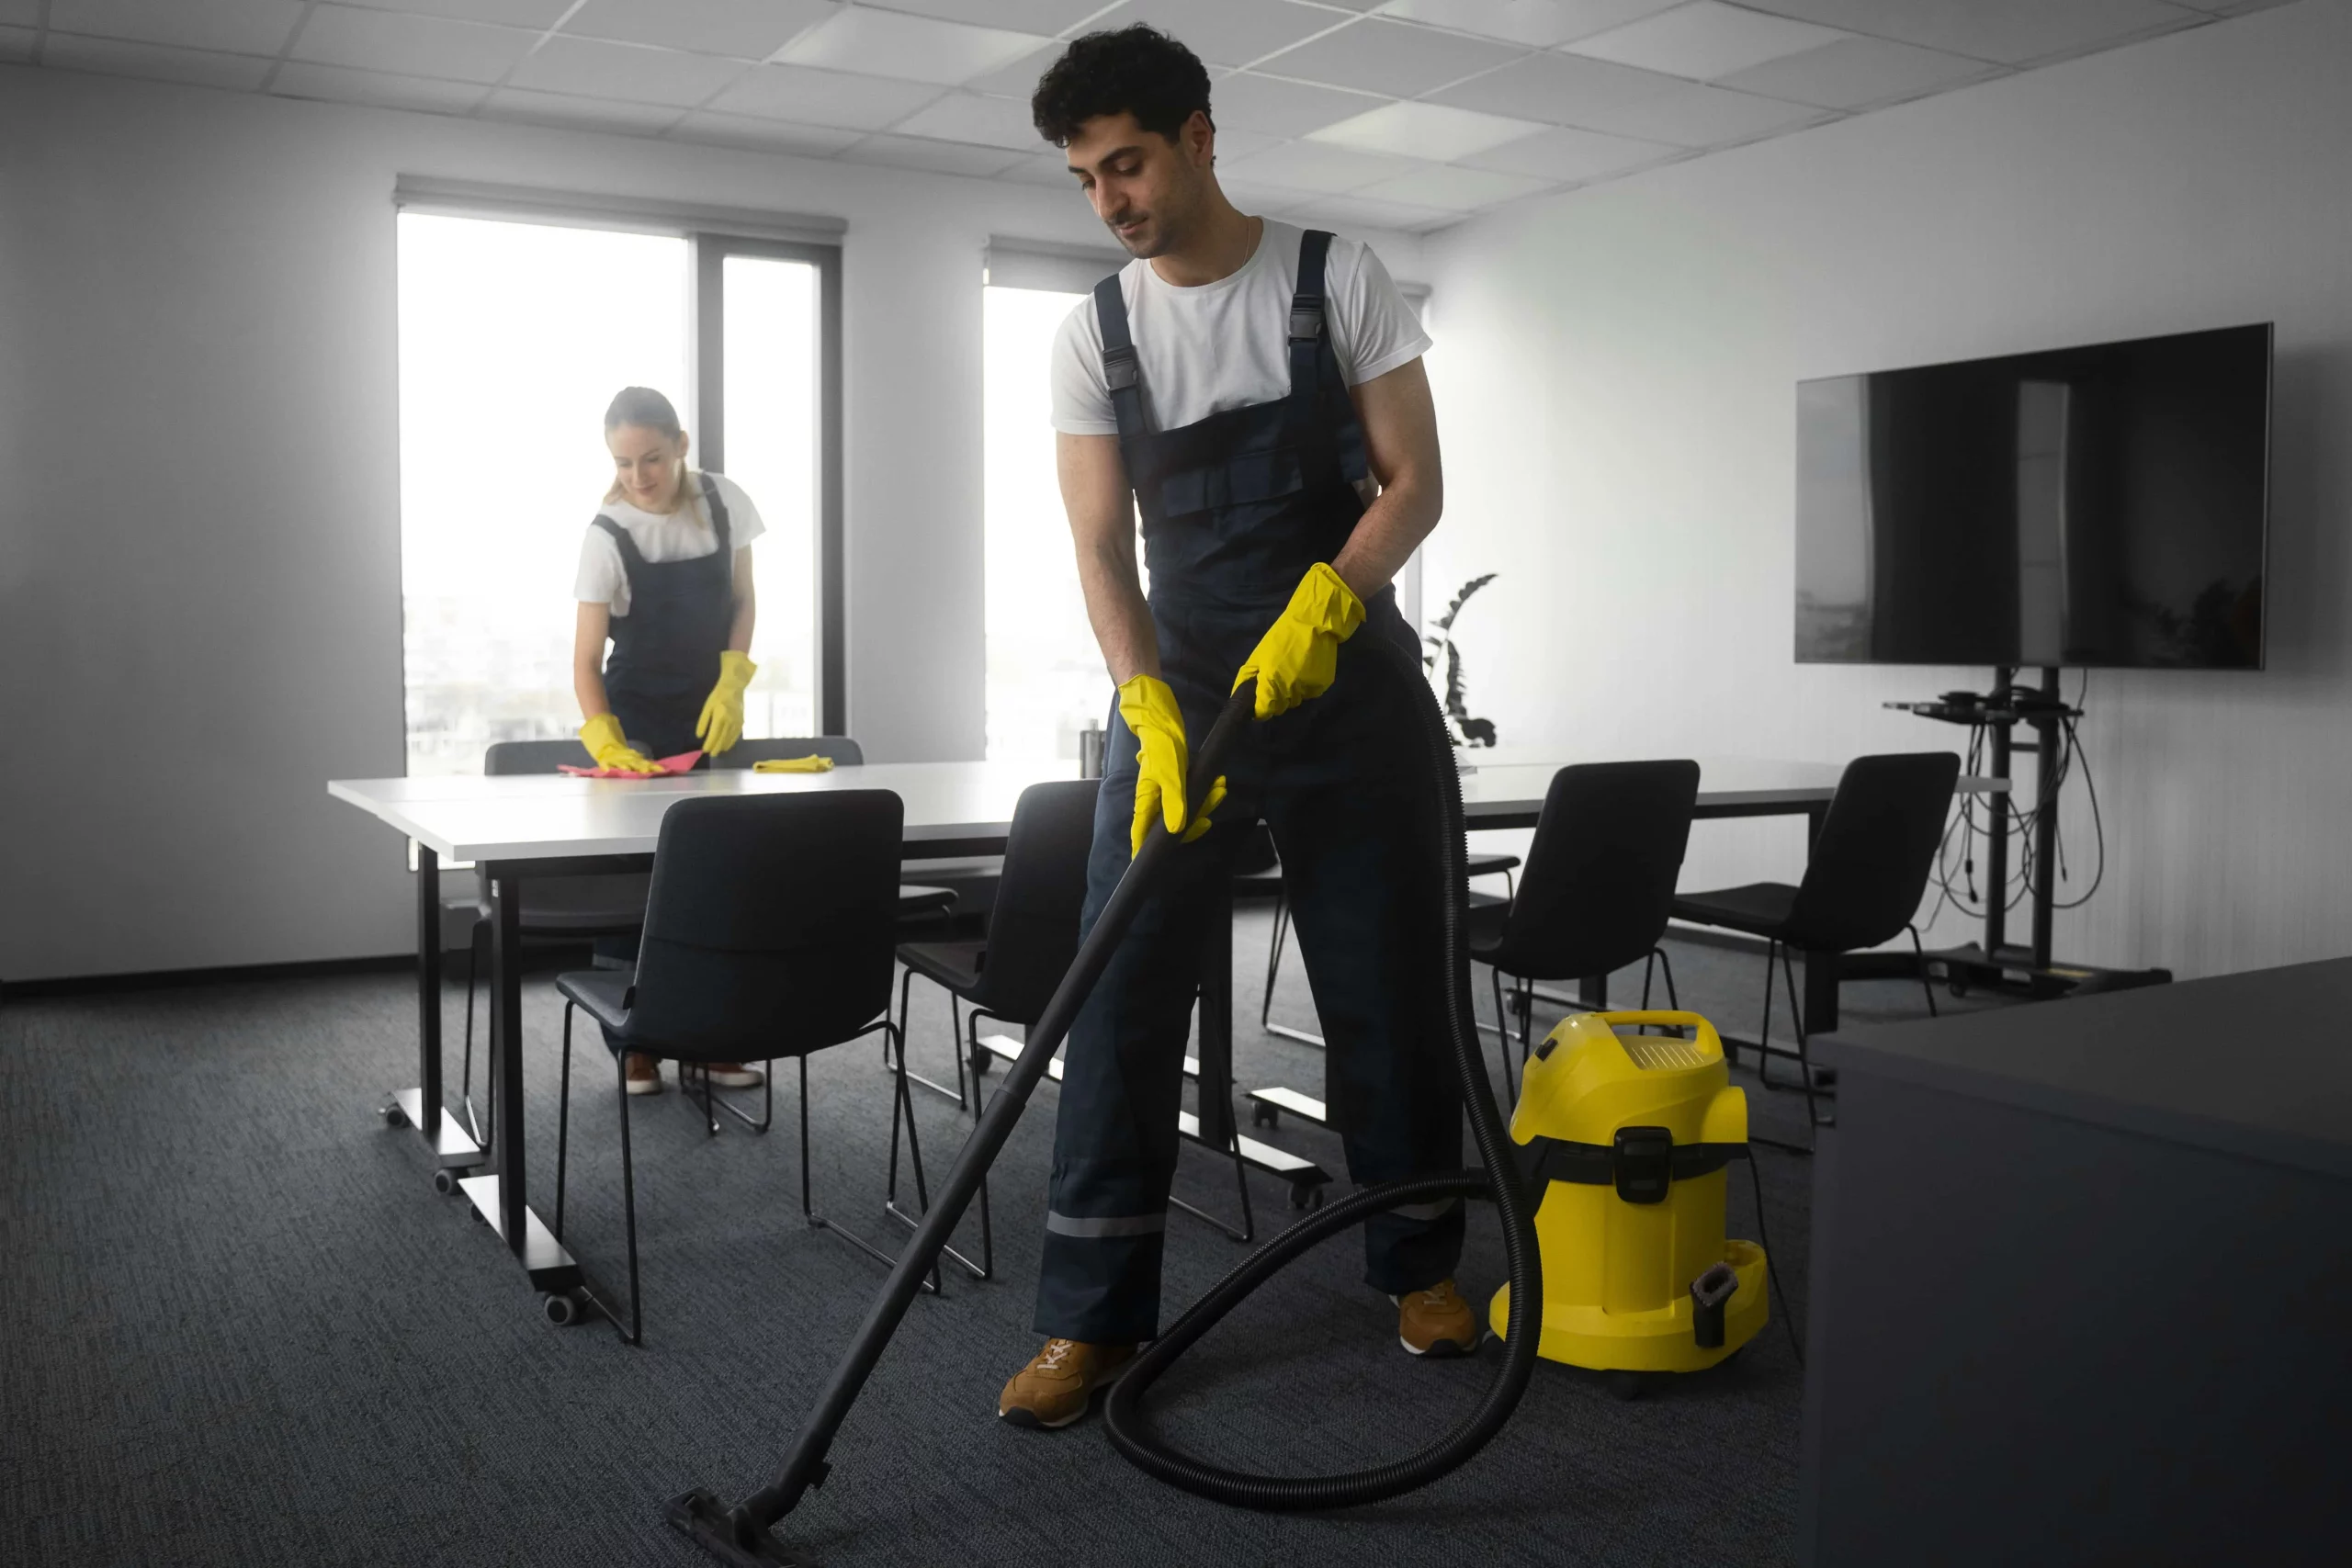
(1042, 169)
(155, 62)
(630, 73)
(1045, 16)
(1567, 153)
(1353, 214)
(537, 15)
(1539, 23)
(238, 27)
(411, 45)
(1559, 89)
(1310, 166)
(1858, 70)
(1390, 57)
(761, 135)
(1425, 130)
(824, 97)
(968, 117)
(16, 43)
(1280, 108)
(1453, 189)
(1692, 116)
(573, 113)
(299, 79)
(918, 48)
(745, 30)
(2011, 31)
(1019, 79)
(936, 157)
(15, 14)
(1704, 39)
(1225, 33)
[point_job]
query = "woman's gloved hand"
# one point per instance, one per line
(1151, 710)
(809, 765)
(602, 736)
(1299, 656)
(721, 724)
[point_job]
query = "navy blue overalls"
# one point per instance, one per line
(1234, 510)
(665, 651)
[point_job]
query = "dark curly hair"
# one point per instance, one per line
(1137, 70)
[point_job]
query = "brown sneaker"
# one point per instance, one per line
(1056, 1387)
(642, 1073)
(1438, 1321)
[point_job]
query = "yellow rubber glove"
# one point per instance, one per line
(793, 766)
(1299, 656)
(721, 724)
(1151, 710)
(602, 736)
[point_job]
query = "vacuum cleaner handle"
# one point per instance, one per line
(1707, 1038)
(742, 1527)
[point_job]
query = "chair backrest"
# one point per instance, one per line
(1600, 877)
(1869, 863)
(771, 930)
(844, 753)
(506, 758)
(1033, 932)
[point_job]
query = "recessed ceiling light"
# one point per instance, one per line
(1425, 130)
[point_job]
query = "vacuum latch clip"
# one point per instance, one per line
(1643, 1164)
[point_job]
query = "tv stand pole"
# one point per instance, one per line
(1996, 837)
(2045, 818)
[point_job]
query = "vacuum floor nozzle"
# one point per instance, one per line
(702, 1519)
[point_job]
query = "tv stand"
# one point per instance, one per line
(1996, 964)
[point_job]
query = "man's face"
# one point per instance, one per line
(1146, 189)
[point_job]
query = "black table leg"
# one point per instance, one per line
(452, 1146)
(500, 1198)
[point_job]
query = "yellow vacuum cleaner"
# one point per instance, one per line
(1627, 1137)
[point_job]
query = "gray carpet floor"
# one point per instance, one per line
(241, 1328)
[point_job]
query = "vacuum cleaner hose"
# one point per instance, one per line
(1123, 1411)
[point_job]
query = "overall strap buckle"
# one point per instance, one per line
(1305, 318)
(1119, 367)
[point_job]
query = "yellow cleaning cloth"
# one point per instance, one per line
(811, 764)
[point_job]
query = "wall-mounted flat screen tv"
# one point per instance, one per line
(2101, 507)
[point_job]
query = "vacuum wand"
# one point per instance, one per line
(740, 1535)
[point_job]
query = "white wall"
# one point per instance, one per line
(1615, 377)
(200, 522)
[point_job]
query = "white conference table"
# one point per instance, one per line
(518, 829)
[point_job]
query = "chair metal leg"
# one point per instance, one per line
(1664, 965)
(1502, 1032)
(686, 1072)
(563, 1120)
(1805, 1056)
(1764, 1036)
(954, 1018)
(902, 1104)
(1919, 951)
(1274, 955)
(633, 1333)
(1524, 1003)
(896, 1050)
(1248, 1231)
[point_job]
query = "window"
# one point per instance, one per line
(1046, 679)
(513, 338)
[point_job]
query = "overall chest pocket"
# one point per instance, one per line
(1241, 480)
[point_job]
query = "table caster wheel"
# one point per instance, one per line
(445, 1181)
(562, 1308)
(477, 1216)
(1264, 1115)
(394, 1116)
(1625, 1385)
(1306, 1197)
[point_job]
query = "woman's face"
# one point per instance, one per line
(647, 462)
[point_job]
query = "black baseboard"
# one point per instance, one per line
(165, 979)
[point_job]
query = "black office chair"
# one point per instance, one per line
(916, 903)
(768, 934)
(1257, 870)
(1599, 886)
(567, 908)
(1032, 942)
(1863, 885)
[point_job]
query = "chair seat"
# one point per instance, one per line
(1761, 908)
(603, 994)
(915, 901)
(1492, 866)
(954, 965)
(1483, 926)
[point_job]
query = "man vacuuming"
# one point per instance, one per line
(1256, 393)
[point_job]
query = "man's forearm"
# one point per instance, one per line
(1388, 533)
(1121, 617)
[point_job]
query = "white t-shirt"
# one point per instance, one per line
(683, 535)
(1227, 345)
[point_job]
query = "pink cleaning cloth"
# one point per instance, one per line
(683, 762)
